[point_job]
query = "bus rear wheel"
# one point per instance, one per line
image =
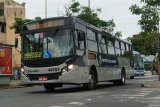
(92, 82)
(132, 77)
(49, 87)
(121, 81)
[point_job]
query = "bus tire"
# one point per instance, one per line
(121, 81)
(92, 82)
(49, 87)
(132, 77)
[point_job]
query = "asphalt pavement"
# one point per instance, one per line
(152, 83)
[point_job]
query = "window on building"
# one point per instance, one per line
(2, 27)
(1, 9)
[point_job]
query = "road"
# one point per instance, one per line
(106, 95)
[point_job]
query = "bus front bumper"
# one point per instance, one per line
(66, 78)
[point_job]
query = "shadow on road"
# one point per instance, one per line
(74, 89)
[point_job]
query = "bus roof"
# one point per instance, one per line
(84, 23)
(46, 19)
(135, 52)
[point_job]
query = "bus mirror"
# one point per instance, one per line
(16, 42)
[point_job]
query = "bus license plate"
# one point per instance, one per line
(43, 78)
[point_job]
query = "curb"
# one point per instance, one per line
(152, 84)
(13, 84)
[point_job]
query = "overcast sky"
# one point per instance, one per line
(111, 9)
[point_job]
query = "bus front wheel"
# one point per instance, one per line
(49, 87)
(92, 82)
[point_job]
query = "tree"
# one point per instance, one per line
(149, 23)
(149, 15)
(18, 24)
(89, 15)
(37, 18)
(143, 43)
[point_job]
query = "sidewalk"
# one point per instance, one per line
(13, 84)
(151, 84)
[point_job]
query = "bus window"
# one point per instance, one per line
(127, 47)
(110, 46)
(92, 45)
(91, 35)
(118, 51)
(101, 39)
(103, 48)
(122, 45)
(111, 50)
(116, 44)
(80, 39)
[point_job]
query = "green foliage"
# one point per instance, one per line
(74, 8)
(145, 43)
(118, 34)
(37, 18)
(152, 2)
(89, 15)
(149, 15)
(18, 24)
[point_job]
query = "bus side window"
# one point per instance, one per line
(80, 39)
(110, 46)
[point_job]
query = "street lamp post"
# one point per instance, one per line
(46, 8)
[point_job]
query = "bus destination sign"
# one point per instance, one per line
(45, 24)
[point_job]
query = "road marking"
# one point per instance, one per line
(56, 106)
(144, 93)
(99, 96)
(76, 103)
(88, 99)
(153, 106)
(151, 98)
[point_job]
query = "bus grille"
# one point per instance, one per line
(53, 76)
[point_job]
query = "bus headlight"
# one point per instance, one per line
(24, 71)
(67, 68)
(70, 67)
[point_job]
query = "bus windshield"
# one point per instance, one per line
(138, 62)
(52, 44)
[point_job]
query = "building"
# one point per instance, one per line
(9, 10)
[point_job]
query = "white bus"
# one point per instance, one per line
(67, 50)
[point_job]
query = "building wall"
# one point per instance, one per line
(12, 10)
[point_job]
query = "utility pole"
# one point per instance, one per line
(158, 37)
(45, 8)
(158, 41)
(89, 3)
